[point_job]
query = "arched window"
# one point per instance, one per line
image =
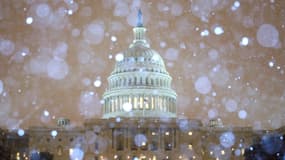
(157, 82)
(140, 81)
(125, 81)
(135, 81)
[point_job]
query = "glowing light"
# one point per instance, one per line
(46, 113)
(244, 41)
(97, 83)
(218, 30)
(237, 4)
(29, 20)
(76, 154)
(127, 107)
(21, 132)
(23, 54)
(69, 12)
(242, 114)
(119, 57)
(53, 133)
(204, 33)
(270, 64)
(113, 39)
(190, 146)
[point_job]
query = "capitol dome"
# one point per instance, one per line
(139, 86)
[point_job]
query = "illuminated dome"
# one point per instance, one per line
(139, 86)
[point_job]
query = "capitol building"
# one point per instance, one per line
(139, 122)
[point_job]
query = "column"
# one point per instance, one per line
(168, 105)
(164, 104)
(116, 104)
(141, 102)
(154, 102)
(120, 103)
(113, 105)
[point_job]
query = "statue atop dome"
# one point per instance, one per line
(140, 19)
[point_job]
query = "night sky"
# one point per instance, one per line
(226, 57)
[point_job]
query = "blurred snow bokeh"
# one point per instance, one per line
(226, 58)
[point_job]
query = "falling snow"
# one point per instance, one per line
(242, 114)
(244, 41)
(57, 69)
(119, 57)
(171, 54)
(60, 50)
(271, 64)
(235, 6)
(227, 139)
(226, 60)
(121, 9)
(218, 30)
(203, 85)
(1, 87)
(127, 107)
(213, 54)
(140, 140)
(203, 8)
(97, 83)
(53, 133)
(94, 32)
(267, 35)
(21, 132)
(43, 10)
(29, 20)
(204, 33)
(76, 154)
(231, 105)
(75, 32)
(176, 9)
(212, 113)
(6, 47)
(88, 100)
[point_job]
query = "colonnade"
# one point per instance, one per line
(152, 139)
(119, 82)
(140, 102)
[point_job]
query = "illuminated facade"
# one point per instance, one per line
(139, 86)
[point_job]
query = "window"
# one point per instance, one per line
(119, 138)
(168, 140)
(133, 132)
(154, 138)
